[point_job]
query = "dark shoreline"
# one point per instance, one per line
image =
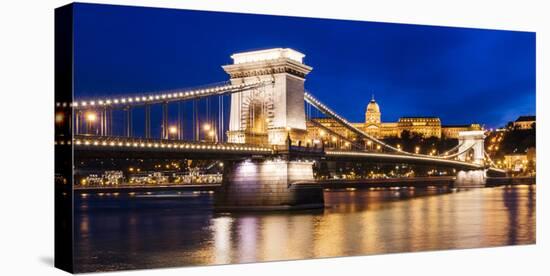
(423, 182)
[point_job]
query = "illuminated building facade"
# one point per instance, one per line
(524, 122)
(521, 162)
(425, 126)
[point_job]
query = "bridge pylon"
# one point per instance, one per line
(474, 140)
(471, 141)
(270, 113)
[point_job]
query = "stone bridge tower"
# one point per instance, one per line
(474, 139)
(268, 114)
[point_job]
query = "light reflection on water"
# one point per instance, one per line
(114, 233)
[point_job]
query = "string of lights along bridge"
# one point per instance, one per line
(263, 110)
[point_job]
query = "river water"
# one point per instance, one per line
(114, 232)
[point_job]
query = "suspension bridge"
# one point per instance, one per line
(259, 123)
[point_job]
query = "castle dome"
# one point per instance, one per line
(373, 107)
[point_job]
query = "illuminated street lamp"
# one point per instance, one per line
(369, 144)
(172, 130)
(91, 117)
(208, 131)
(59, 117)
(211, 134)
(417, 149)
(334, 141)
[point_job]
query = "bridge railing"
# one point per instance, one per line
(142, 143)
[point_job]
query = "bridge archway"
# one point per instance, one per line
(255, 122)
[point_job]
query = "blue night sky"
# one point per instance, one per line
(460, 75)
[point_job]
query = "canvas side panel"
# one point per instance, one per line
(63, 138)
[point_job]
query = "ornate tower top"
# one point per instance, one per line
(267, 62)
(268, 54)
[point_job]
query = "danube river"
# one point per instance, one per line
(115, 232)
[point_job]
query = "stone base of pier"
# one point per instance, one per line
(266, 185)
(471, 179)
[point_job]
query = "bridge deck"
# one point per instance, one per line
(101, 146)
(399, 158)
(104, 146)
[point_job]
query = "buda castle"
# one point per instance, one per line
(424, 126)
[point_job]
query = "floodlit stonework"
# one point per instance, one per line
(274, 110)
(267, 185)
(270, 114)
(474, 140)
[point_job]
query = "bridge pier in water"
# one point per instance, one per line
(472, 141)
(471, 179)
(267, 185)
